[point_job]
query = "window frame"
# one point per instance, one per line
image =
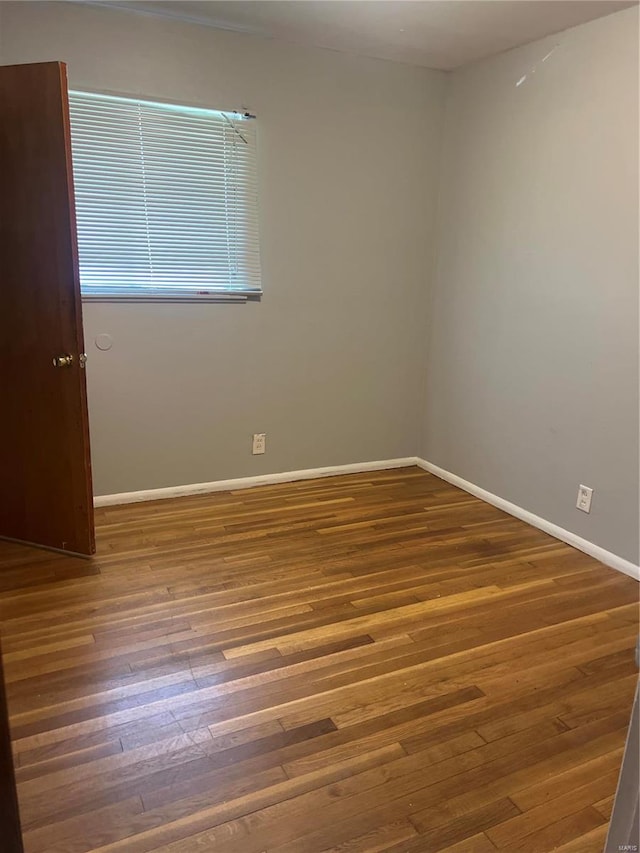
(136, 295)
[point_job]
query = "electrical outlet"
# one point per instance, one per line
(584, 498)
(259, 443)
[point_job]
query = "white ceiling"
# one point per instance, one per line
(433, 33)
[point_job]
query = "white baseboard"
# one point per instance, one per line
(606, 557)
(250, 482)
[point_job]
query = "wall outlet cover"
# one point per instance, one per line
(584, 498)
(259, 444)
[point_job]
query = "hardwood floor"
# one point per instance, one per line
(367, 663)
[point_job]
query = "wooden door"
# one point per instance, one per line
(9, 815)
(45, 469)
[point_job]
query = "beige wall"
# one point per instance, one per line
(329, 364)
(533, 353)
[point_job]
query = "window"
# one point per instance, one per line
(166, 200)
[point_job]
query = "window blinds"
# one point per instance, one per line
(166, 199)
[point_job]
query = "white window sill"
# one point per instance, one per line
(254, 296)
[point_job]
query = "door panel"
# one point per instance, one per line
(45, 482)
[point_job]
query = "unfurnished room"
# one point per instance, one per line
(319, 467)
